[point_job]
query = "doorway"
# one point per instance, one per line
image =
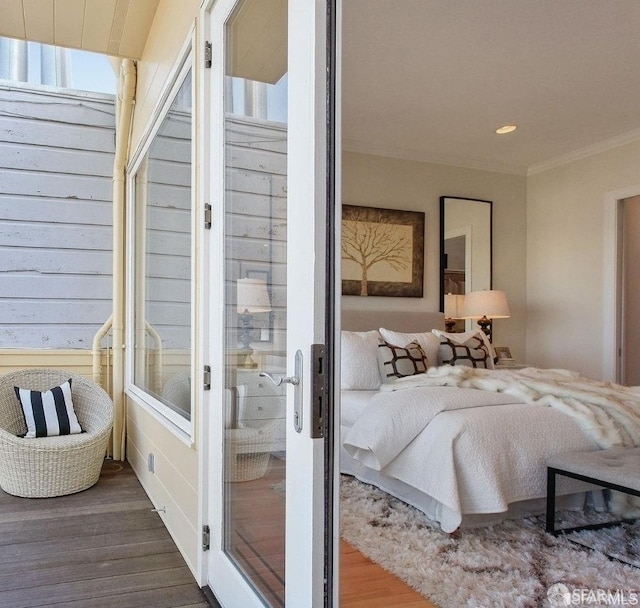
(629, 285)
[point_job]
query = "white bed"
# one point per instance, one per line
(467, 466)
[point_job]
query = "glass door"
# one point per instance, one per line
(267, 452)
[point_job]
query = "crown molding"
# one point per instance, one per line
(586, 152)
(351, 145)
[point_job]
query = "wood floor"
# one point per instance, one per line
(105, 548)
(101, 548)
(258, 545)
(364, 584)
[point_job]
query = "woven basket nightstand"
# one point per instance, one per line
(248, 451)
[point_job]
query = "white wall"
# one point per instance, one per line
(414, 186)
(174, 484)
(171, 26)
(565, 237)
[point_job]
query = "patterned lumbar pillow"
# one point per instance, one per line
(473, 352)
(50, 412)
(397, 362)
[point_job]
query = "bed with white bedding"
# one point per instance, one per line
(467, 446)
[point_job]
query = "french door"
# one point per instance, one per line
(268, 435)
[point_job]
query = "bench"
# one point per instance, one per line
(613, 468)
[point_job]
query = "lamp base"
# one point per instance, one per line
(248, 362)
(449, 324)
(244, 337)
(245, 329)
(485, 325)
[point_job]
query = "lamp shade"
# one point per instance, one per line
(489, 303)
(453, 304)
(253, 296)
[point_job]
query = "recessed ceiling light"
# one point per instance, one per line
(506, 129)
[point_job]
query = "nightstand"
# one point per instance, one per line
(261, 402)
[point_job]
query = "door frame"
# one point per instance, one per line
(612, 283)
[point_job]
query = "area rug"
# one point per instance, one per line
(512, 564)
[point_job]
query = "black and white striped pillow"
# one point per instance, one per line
(50, 412)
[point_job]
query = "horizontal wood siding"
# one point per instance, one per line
(256, 215)
(74, 361)
(56, 166)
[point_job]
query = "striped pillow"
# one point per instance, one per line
(48, 413)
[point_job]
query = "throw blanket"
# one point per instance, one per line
(608, 413)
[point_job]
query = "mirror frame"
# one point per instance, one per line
(443, 201)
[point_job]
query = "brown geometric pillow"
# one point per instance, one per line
(398, 362)
(472, 353)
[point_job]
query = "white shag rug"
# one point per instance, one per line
(515, 564)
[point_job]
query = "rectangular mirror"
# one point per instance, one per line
(465, 245)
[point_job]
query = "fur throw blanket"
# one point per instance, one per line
(608, 413)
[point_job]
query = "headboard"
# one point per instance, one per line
(396, 320)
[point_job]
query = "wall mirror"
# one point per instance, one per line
(465, 245)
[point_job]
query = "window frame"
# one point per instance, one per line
(179, 425)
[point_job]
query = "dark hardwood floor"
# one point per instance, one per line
(101, 548)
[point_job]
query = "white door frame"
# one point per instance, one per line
(611, 287)
(307, 194)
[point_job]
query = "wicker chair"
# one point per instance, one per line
(52, 466)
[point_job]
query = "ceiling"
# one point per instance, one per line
(431, 80)
(114, 27)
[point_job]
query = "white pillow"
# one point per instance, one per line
(359, 360)
(463, 338)
(427, 340)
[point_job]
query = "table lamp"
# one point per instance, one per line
(485, 306)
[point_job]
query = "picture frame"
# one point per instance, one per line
(382, 252)
(503, 352)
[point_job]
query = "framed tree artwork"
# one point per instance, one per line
(382, 252)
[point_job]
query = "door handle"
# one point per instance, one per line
(279, 380)
(296, 381)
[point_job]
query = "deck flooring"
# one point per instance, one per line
(106, 548)
(101, 548)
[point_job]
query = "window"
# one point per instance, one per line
(163, 261)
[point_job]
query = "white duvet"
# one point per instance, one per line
(433, 433)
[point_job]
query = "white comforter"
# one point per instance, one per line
(392, 421)
(429, 432)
